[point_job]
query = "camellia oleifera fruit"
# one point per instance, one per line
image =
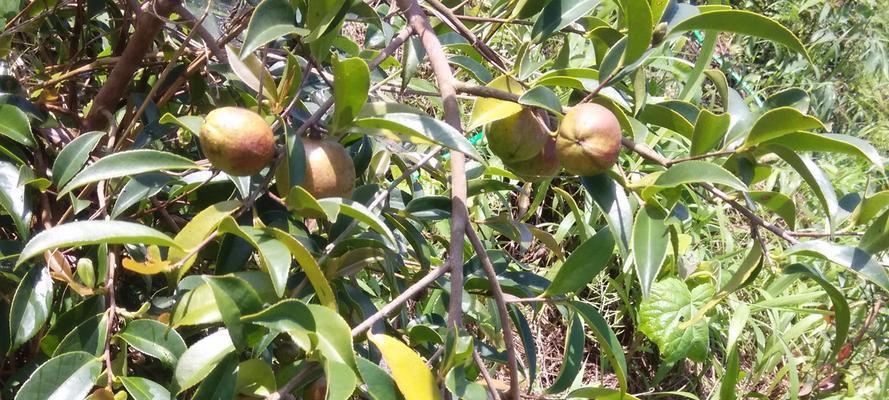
(237, 141)
(330, 171)
(588, 140)
(518, 137)
(543, 165)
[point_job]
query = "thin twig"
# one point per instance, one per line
(485, 374)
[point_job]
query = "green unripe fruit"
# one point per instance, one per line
(543, 165)
(517, 137)
(330, 171)
(588, 140)
(237, 141)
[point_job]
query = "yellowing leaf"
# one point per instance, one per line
(197, 230)
(486, 110)
(413, 377)
(153, 264)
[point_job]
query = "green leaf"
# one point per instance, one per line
(191, 123)
(380, 385)
(196, 232)
(559, 14)
(611, 199)
(600, 393)
(358, 211)
(68, 376)
(777, 203)
(83, 233)
(15, 125)
(584, 263)
(543, 97)
(144, 389)
(572, 358)
(743, 22)
(197, 362)
(486, 110)
(309, 266)
(250, 70)
(778, 122)
(333, 335)
(290, 316)
(528, 8)
(637, 17)
(608, 341)
(155, 339)
(30, 306)
(671, 303)
(745, 273)
(220, 383)
(345, 379)
(73, 156)
(853, 258)
(813, 175)
(709, 133)
(274, 257)
(830, 143)
(697, 171)
(320, 16)
(419, 129)
(659, 115)
(88, 337)
(876, 237)
(351, 82)
(840, 305)
(475, 68)
(255, 378)
(650, 241)
(14, 199)
(138, 188)
(68, 320)
(226, 290)
(127, 163)
(272, 19)
(870, 206)
(413, 377)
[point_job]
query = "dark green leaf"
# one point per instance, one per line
(584, 263)
(139, 187)
(813, 175)
(127, 163)
(638, 19)
(198, 361)
(572, 357)
(542, 97)
(853, 258)
(840, 306)
(418, 129)
(777, 203)
(831, 143)
(73, 156)
(15, 125)
(559, 14)
(30, 306)
(82, 233)
(608, 341)
(155, 339)
(271, 19)
(273, 255)
(68, 376)
(87, 337)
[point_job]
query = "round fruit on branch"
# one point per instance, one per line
(517, 137)
(588, 140)
(237, 141)
(330, 171)
(543, 165)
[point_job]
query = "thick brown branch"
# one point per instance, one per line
(148, 25)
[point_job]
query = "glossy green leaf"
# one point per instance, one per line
(575, 78)
(486, 110)
(528, 8)
(830, 143)
(250, 70)
(191, 123)
(87, 337)
(83, 233)
(144, 389)
(559, 14)
(671, 303)
(543, 97)
(220, 384)
(475, 68)
(777, 203)
(320, 16)
(138, 188)
(73, 156)
(612, 200)
(68, 320)
(155, 339)
(413, 377)
(853, 258)
(234, 298)
(15, 125)
(778, 122)
(127, 163)
(255, 378)
(380, 385)
(608, 341)
(572, 357)
(198, 306)
(271, 20)
(360, 212)
(30, 307)
(68, 376)
(743, 22)
(197, 362)
(840, 305)
(310, 267)
(273, 255)
(418, 129)
(345, 379)
(351, 82)
(870, 206)
(665, 117)
(876, 237)
(196, 231)
(709, 133)
(14, 198)
(584, 263)
(637, 17)
(698, 171)
(333, 335)
(813, 175)
(290, 316)
(650, 241)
